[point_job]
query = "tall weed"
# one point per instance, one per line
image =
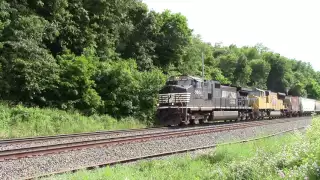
(19, 121)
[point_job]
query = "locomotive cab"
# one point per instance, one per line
(175, 92)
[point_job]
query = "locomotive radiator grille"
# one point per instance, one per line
(174, 98)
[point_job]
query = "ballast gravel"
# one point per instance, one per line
(101, 136)
(37, 143)
(30, 167)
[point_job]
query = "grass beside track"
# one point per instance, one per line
(20, 121)
(289, 156)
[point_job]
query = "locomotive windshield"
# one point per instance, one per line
(184, 81)
(172, 83)
(180, 82)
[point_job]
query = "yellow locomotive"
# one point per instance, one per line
(266, 104)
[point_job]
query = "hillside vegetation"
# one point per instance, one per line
(290, 156)
(20, 121)
(112, 56)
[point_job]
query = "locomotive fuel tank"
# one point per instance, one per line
(225, 115)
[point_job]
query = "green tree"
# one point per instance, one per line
(227, 65)
(260, 73)
(141, 46)
(313, 89)
(173, 36)
(191, 62)
(126, 91)
(277, 77)
(242, 72)
(76, 84)
(150, 84)
(118, 86)
(28, 69)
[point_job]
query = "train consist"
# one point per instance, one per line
(192, 100)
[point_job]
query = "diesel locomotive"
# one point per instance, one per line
(191, 100)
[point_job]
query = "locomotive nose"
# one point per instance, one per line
(173, 95)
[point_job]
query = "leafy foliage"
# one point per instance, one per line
(260, 72)
(128, 91)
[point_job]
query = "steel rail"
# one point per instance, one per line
(97, 133)
(57, 148)
(168, 153)
(62, 136)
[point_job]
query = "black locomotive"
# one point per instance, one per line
(191, 100)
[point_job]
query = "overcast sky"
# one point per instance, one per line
(289, 27)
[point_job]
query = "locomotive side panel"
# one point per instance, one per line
(229, 97)
(273, 102)
(266, 103)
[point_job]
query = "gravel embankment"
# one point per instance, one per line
(38, 143)
(80, 139)
(26, 167)
(71, 139)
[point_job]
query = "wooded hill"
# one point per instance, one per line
(112, 56)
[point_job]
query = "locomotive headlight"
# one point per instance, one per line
(172, 104)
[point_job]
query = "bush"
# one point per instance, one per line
(126, 91)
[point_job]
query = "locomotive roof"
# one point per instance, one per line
(239, 88)
(257, 89)
(185, 77)
(243, 89)
(196, 78)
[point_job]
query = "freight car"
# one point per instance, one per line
(292, 106)
(307, 106)
(191, 100)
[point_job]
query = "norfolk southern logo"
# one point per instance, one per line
(197, 92)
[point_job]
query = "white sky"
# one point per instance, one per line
(288, 27)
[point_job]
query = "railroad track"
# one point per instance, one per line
(61, 137)
(65, 136)
(64, 147)
(94, 166)
(5, 142)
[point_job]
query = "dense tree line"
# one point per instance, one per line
(112, 56)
